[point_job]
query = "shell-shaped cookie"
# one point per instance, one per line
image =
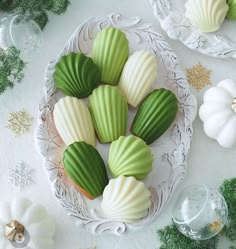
(206, 15)
(110, 52)
(109, 111)
(232, 9)
(138, 76)
(155, 115)
(125, 199)
(130, 156)
(85, 167)
(76, 75)
(73, 121)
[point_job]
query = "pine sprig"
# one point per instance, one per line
(7, 5)
(228, 189)
(11, 68)
(40, 17)
(59, 6)
(35, 9)
(171, 238)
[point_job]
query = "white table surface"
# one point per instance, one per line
(207, 163)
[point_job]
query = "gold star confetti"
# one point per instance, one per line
(19, 122)
(215, 225)
(198, 76)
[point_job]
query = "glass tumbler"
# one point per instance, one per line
(22, 32)
(200, 212)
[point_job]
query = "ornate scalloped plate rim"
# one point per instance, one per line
(178, 27)
(46, 140)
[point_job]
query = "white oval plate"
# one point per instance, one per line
(170, 151)
(170, 14)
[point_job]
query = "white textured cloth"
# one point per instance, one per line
(208, 162)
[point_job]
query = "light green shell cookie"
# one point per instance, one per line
(110, 52)
(232, 9)
(130, 156)
(109, 111)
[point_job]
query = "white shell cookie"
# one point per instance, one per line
(206, 15)
(125, 199)
(73, 121)
(138, 76)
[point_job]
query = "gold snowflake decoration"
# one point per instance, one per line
(19, 122)
(199, 76)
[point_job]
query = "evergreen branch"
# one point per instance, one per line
(59, 6)
(11, 68)
(7, 5)
(228, 189)
(171, 238)
(36, 9)
(40, 17)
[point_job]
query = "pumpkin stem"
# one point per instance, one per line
(14, 231)
(234, 105)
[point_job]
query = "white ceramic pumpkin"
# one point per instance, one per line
(26, 225)
(218, 113)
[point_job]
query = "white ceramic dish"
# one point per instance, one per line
(170, 151)
(170, 14)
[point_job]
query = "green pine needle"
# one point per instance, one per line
(228, 189)
(7, 5)
(36, 9)
(59, 6)
(171, 238)
(11, 68)
(40, 17)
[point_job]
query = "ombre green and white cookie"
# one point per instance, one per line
(138, 76)
(109, 111)
(130, 156)
(110, 52)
